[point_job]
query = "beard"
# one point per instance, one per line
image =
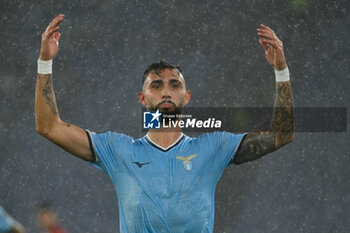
(176, 110)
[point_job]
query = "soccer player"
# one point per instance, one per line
(165, 181)
(48, 219)
(8, 224)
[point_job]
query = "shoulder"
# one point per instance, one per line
(215, 134)
(208, 138)
(218, 138)
(111, 137)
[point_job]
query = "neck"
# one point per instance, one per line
(164, 137)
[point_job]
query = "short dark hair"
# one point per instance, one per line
(158, 67)
(45, 207)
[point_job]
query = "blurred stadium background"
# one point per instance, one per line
(105, 47)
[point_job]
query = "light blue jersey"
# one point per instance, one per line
(165, 189)
(6, 222)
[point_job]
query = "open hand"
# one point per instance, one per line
(50, 38)
(273, 47)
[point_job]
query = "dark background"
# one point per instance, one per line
(105, 47)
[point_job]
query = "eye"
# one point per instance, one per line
(175, 85)
(155, 86)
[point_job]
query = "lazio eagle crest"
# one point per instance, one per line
(187, 161)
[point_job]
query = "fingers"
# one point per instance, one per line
(57, 35)
(263, 44)
(53, 27)
(268, 37)
(265, 27)
(57, 20)
(269, 43)
(265, 31)
(49, 32)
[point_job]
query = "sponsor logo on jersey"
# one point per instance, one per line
(187, 161)
(139, 164)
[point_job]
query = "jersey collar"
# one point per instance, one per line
(164, 149)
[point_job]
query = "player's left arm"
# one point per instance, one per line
(281, 132)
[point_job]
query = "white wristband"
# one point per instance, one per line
(44, 67)
(282, 75)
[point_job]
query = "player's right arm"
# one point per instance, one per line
(48, 123)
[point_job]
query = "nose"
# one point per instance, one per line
(166, 93)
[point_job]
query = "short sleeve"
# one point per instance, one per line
(108, 149)
(224, 146)
(6, 222)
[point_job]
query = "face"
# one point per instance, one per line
(165, 91)
(47, 219)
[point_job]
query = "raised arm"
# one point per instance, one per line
(281, 132)
(48, 123)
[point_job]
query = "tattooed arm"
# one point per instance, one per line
(281, 132)
(48, 123)
(257, 144)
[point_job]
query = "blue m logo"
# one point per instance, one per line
(151, 120)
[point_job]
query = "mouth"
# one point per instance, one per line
(166, 104)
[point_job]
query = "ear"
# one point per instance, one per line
(142, 98)
(188, 96)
